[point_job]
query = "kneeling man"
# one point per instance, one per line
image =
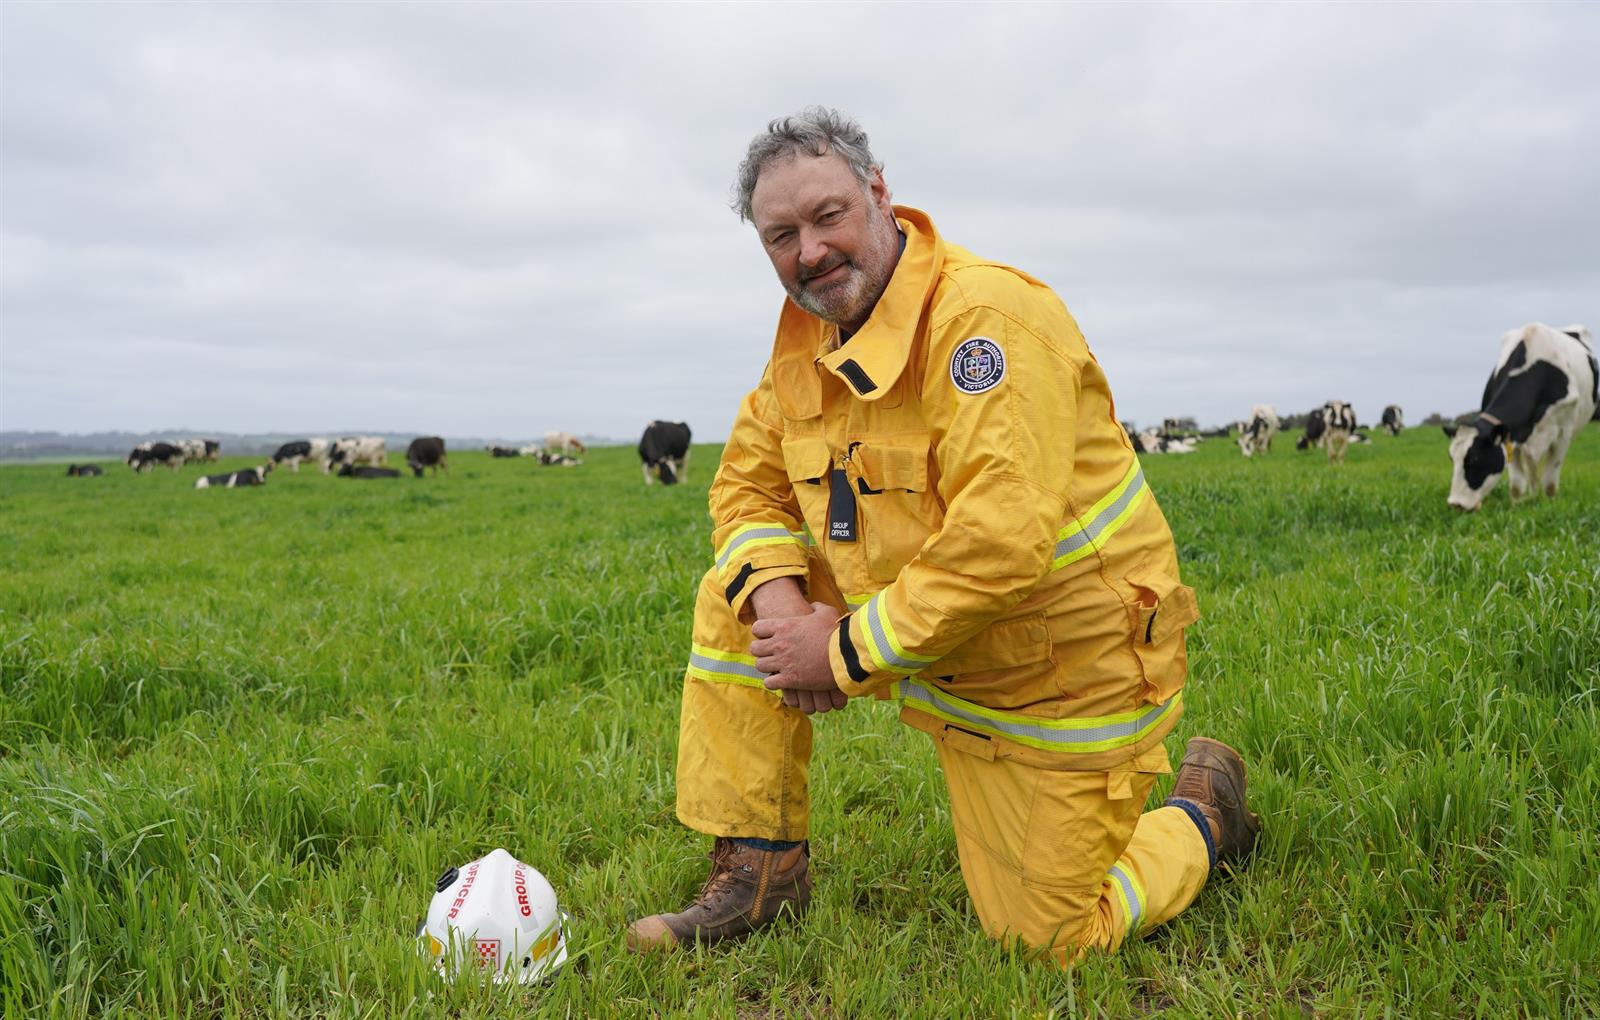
(928, 498)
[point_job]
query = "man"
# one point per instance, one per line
(928, 498)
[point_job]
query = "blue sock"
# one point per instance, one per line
(1189, 808)
(767, 844)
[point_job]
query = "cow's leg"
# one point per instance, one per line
(647, 479)
(1552, 465)
(683, 467)
(1517, 468)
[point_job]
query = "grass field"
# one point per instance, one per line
(241, 732)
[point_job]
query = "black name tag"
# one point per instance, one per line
(841, 508)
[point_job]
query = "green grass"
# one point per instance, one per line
(241, 732)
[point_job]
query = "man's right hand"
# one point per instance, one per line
(781, 598)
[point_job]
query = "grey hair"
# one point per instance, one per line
(816, 130)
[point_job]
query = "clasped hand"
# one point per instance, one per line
(793, 651)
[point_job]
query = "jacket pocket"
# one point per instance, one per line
(897, 509)
(1004, 644)
(807, 460)
(1162, 608)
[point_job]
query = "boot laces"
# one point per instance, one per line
(722, 879)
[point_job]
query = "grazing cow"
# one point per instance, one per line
(564, 442)
(355, 450)
(295, 451)
(1544, 388)
(1315, 431)
(83, 470)
(503, 451)
(1394, 419)
(148, 455)
(352, 471)
(1256, 437)
(235, 479)
(427, 452)
(1339, 419)
(664, 452)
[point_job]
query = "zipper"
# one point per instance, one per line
(761, 885)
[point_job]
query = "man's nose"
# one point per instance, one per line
(812, 249)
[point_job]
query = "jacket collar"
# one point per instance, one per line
(876, 355)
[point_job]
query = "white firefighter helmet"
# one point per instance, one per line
(498, 916)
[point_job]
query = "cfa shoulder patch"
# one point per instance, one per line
(977, 365)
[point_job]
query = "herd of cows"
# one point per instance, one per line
(663, 452)
(1544, 388)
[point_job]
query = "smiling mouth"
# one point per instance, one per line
(829, 276)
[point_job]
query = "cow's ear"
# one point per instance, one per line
(1448, 430)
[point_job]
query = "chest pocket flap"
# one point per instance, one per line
(806, 457)
(894, 463)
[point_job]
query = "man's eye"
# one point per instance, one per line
(831, 217)
(777, 239)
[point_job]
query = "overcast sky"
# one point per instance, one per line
(497, 219)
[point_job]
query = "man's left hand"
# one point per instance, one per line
(794, 652)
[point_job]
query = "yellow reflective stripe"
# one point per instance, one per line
(758, 534)
(724, 667)
(1083, 735)
(882, 644)
(1130, 892)
(1102, 520)
(857, 601)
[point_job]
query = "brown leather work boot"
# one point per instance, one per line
(746, 890)
(1212, 779)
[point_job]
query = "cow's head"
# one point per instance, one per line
(665, 472)
(1477, 451)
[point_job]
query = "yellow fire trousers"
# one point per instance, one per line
(1059, 859)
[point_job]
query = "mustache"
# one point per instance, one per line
(807, 275)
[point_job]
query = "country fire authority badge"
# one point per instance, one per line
(977, 365)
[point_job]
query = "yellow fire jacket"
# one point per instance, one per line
(959, 466)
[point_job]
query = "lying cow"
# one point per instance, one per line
(354, 471)
(564, 442)
(548, 459)
(295, 451)
(503, 451)
(664, 452)
(1151, 441)
(1544, 388)
(1256, 437)
(235, 479)
(355, 450)
(83, 470)
(148, 455)
(427, 452)
(1394, 419)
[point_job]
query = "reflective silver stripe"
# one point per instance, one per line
(1092, 530)
(750, 536)
(710, 665)
(883, 649)
(1129, 896)
(1035, 734)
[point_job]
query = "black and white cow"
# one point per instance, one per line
(427, 452)
(83, 470)
(1542, 392)
(1339, 419)
(355, 471)
(664, 452)
(1394, 419)
(1314, 433)
(295, 451)
(548, 459)
(355, 450)
(1151, 441)
(1256, 436)
(148, 455)
(235, 479)
(503, 451)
